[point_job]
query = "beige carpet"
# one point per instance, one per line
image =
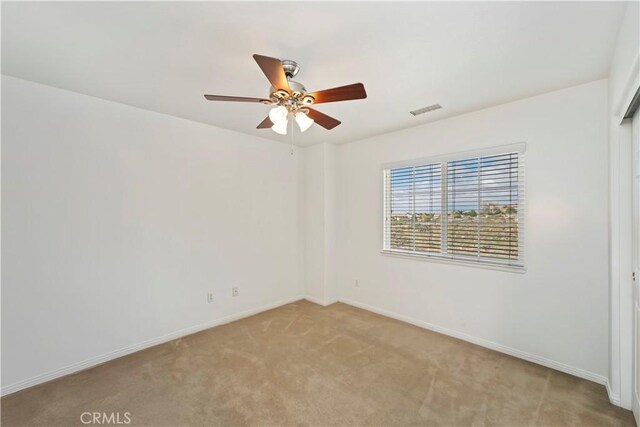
(303, 364)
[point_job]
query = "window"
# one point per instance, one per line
(466, 207)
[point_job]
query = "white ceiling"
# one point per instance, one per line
(164, 56)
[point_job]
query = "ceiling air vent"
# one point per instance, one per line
(426, 109)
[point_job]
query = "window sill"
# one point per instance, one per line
(457, 261)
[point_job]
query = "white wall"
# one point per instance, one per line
(117, 221)
(331, 249)
(624, 79)
(623, 73)
(314, 249)
(557, 312)
(320, 223)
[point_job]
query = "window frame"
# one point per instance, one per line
(517, 265)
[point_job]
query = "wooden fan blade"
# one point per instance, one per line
(265, 124)
(272, 68)
(342, 93)
(234, 98)
(322, 119)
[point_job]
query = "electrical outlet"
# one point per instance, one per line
(357, 284)
(235, 291)
(210, 297)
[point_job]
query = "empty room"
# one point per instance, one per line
(320, 213)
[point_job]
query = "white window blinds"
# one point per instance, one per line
(416, 204)
(468, 208)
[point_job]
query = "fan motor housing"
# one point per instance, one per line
(297, 90)
(297, 87)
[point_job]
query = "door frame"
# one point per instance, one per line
(633, 114)
(621, 345)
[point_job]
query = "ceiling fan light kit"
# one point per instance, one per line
(303, 120)
(278, 115)
(289, 97)
(280, 128)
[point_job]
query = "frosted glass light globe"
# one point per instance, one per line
(281, 127)
(303, 121)
(278, 115)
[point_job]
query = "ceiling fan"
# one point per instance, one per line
(289, 97)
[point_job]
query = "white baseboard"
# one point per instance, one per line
(613, 397)
(48, 376)
(597, 378)
(321, 302)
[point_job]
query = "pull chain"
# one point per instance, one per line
(291, 137)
